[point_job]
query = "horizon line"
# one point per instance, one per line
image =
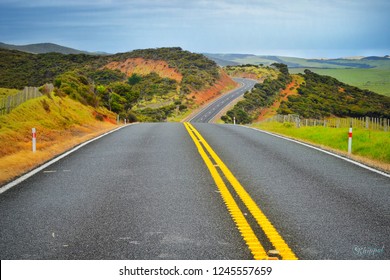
(352, 56)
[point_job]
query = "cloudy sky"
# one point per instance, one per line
(306, 28)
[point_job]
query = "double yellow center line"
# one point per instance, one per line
(242, 224)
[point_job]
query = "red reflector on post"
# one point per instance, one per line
(34, 140)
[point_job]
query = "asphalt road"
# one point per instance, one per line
(209, 112)
(144, 192)
(139, 193)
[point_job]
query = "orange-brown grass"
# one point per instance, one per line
(61, 124)
(222, 85)
(144, 67)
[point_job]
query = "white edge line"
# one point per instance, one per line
(54, 160)
(322, 150)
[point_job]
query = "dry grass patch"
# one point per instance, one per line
(67, 124)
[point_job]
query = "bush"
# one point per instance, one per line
(77, 86)
(45, 105)
(99, 117)
(182, 107)
(132, 117)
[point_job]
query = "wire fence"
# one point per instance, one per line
(363, 122)
(12, 101)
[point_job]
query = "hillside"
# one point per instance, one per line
(374, 79)
(143, 67)
(371, 73)
(198, 71)
(254, 72)
(223, 84)
(19, 69)
(262, 96)
(61, 123)
(144, 85)
(323, 96)
(309, 95)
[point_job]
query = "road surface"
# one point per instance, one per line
(209, 112)
(145, 192)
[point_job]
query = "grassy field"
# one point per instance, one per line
(6, 91)
(374, 79)
(369, 146)
(61, 124)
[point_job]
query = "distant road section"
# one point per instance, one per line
(208, 113)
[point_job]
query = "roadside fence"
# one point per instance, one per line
(12, 101)
(363, 122)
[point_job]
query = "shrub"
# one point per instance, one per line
(99, 117)
(45, 105)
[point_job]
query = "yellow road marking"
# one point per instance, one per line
(275, 238)
(242, 224)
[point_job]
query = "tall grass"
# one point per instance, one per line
(4, 92)
(61, 123)
(370, 144)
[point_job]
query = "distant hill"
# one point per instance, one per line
(296, 62)
(45, 48)
(220, 61)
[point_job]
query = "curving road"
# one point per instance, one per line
(209, 112)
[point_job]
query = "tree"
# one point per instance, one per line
(134, 79)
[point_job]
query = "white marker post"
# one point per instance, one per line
(350, 141)
(234, 120)
(34, 140)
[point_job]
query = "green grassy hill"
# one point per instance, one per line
(374, 79)
(323, 96)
